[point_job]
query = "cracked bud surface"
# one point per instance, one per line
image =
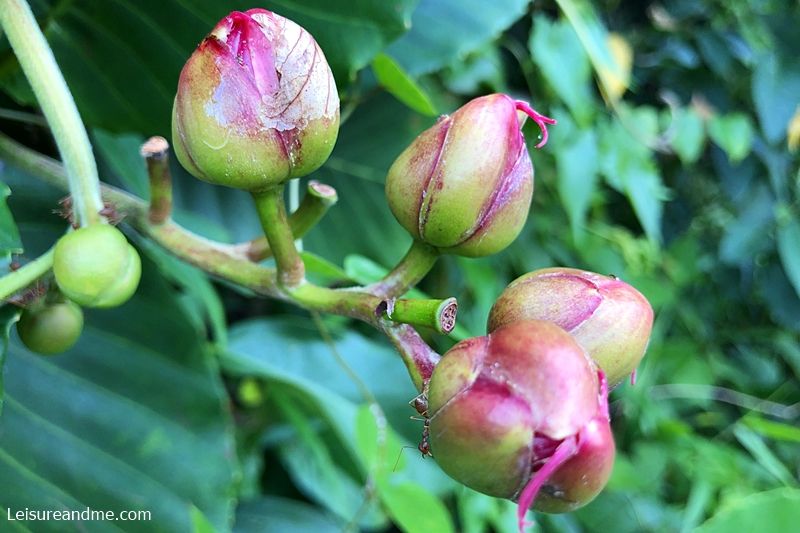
(522, 414)
(610, 319)
(465, 185)
(256, 104)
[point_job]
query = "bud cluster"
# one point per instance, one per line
(520, 413)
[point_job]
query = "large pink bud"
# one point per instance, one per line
(522, 414)
(610, 319)
(256, 104)
(464, 186)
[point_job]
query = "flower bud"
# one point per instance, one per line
(610, 319)
(256, 104)
(521, 414)
(49, 328)
(96, 267)
(464, 186)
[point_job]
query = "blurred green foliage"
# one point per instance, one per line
(673, 166)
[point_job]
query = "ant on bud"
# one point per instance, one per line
(420, 404)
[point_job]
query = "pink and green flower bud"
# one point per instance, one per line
(464, 186)
(256, 104)
(610, 319)
(522, 414)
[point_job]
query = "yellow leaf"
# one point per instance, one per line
(616, 81)
(793, 131)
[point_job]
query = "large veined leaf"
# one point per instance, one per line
(121, 59)
(133, 417)
(446, 31)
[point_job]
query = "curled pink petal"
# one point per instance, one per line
(633, 378)
(565, 450)
(537, 117)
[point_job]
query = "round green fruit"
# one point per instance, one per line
(50, 328)
(96, 266)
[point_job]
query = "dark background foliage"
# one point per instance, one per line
(220, 412)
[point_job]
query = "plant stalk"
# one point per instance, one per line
(272, 213)
(47, 82)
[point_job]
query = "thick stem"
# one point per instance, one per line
(318, 199)
(225, 261)
(156, 155)
(272, 213)
(420, 359)
(438, 314)
(22, 277)
(39, 65)
(409, 271)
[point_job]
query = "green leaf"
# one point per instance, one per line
(9, 234)
(200, 523)
(789, 251)
(8, 317)
(763, 455)
(689, 135)
(733, 133)
(413, 508)
(627, 166)
(577, 163)
(121, 154)
(311, 465)
(131, 418)
(553, 45)
(392, 77)
(273, 514)
(594, 37)
(122, 60)
(444, 32)
(773, 430)
(744, 236)
(775, 86)
(775, 510)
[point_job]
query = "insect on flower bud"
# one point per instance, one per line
(610, 319)
(522, 414)
(464, 186)
(256, 104)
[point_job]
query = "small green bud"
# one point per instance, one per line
(50, 328)
(610, 319)
(522, 414)
(464, 186)
(256, 104)
(96, 267)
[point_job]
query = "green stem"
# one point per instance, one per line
(409, 271)
(156, 155)
(21, 278)
(294, 202)
(419, 358)
(318, 199)
(440, 314)
(22, 116)
(272, 213)
(59, 108)
(228, 263)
